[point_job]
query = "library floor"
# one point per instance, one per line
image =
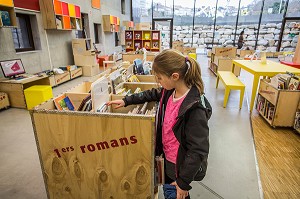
(232, 172)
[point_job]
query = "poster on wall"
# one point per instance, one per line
(96, 4)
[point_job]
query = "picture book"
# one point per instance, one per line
(297, 121)
(129, 44)
(64, 103)
(293, 84)
(128, 35)
(147, 36)
(5, 18)
(147, 44)
(59, 22)
(137, 36)
(137, 45)
(133, 78)
(155, 44)
(155, 36)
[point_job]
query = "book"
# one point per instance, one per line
(137, 36)
(5, 17)
(297, 121)
(129, 44)
(159, 173)
(64, 103)
(100, 94)
(133, 78)
(147, 44)
(58, 22)
(83, 102)
(293, 84)
(128, 35)
(155, 44)
(155, 36)
(147, 36)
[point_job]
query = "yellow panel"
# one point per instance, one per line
(71, 10)
(111, 19)
(37, 94)
(9, 3)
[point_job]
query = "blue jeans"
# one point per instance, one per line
(170, 192)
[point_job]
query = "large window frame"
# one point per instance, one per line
(237, 18)
(19, 34)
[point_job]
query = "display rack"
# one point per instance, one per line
(277, 106)
(148, 39)
(129, 25)
(111, 23)
(60, 15)
(7, 14)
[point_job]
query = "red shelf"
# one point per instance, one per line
(77, 11)
(65, 8)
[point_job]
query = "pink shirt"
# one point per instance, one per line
(170, 143)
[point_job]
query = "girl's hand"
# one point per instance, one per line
(181, 194)
(119, 103)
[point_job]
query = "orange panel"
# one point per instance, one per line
(67, 22)
(96, 4)
(71, 10)
(9, 3)
(57, 8)
(115, 20)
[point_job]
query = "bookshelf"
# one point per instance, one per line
(277, 106)
(111, 23)
(7, 14)
(60, 15)
(148, 39)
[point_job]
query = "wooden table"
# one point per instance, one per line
(257, 69)
(15, 88)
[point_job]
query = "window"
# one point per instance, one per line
(117, 41)
(123, 7)
(22, 36)
(97, 33)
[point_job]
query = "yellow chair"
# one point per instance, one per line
(37, 94)
(230, 81)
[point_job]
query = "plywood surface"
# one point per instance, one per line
(96, 156)
(278, 153)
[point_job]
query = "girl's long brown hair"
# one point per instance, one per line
(172, 61)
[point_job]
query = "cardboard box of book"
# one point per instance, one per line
(76, 73)
(225, 64)
(85, 60)
(143, 26)
(243, 53)
(82, 47)
(224, 51)
(102, 154)
(61, 78)
(131, 56)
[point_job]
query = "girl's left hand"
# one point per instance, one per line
(181, 194)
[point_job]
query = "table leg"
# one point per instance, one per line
(254, 90)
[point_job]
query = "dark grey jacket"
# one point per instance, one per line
(191, 130)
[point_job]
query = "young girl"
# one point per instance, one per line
(182, 120)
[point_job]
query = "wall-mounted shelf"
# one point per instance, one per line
(129, 25)
(148, 39)
(7, 14)
(111, 23)
(60, 15)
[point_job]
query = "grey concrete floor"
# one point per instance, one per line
(232, 171)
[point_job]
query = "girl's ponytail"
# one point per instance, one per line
(193, 74)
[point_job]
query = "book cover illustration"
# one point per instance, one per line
(147, 44)
(155, 36)
(64, 103)
(137, 36)
(129, 44)
(297, 121)
(147, 36)
(137, 45)
(128, 35)
(59, 23)
(5, 18)
(155, 44)
(293, 84)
